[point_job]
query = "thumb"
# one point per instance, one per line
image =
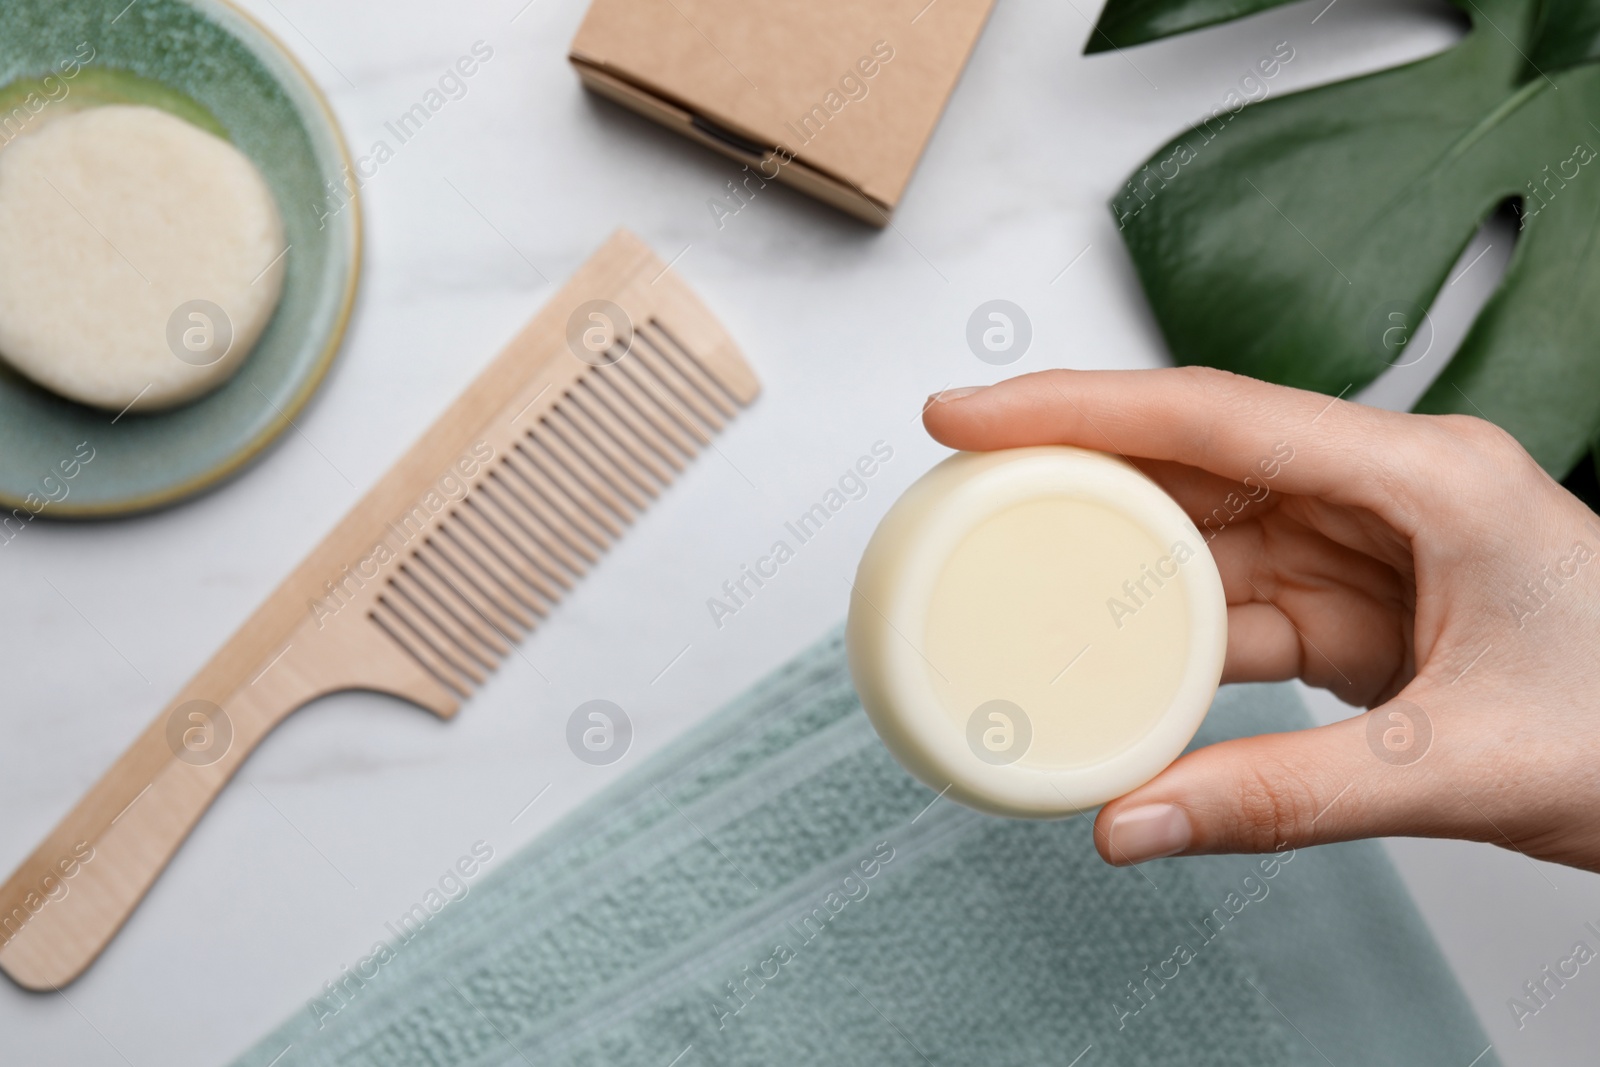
(1355, 778)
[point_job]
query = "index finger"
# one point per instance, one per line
(1227, 424)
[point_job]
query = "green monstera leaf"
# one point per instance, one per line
(1567, 33)
(1300, 239)
(1125, 23)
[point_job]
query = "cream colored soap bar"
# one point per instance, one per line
(140, 257)
(1037, 630)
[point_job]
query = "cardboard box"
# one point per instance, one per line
(835, 97)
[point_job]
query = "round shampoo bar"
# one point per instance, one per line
(140, 257)
(1037, 630)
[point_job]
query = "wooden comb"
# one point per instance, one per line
(462, 547)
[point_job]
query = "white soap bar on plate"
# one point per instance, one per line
(141, 257)
(1037, 630)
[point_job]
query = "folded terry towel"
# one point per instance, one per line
(773, 889)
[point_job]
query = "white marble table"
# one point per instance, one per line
(351, 811)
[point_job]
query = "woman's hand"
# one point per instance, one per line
(1422, 566)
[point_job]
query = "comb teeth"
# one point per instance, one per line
(535, 519)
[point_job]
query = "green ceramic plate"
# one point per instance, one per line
(209, 63)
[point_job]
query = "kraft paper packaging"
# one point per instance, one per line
(834, 97)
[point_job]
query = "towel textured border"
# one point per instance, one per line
(773, 889)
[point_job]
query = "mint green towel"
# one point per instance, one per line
(772, 889)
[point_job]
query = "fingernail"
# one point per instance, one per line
(1149, 832)
(946, 395)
